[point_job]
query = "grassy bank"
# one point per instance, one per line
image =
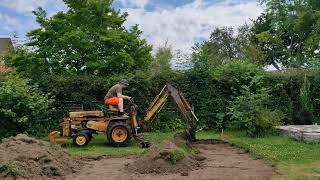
(290, 157)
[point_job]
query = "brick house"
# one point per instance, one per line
(5, 44)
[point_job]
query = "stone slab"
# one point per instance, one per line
(306, 133)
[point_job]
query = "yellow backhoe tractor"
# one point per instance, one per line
(80, 126)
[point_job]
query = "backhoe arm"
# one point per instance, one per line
(157, 104)
(183, 105)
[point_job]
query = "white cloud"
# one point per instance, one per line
(24, 21)
(8, 23)
(22, 6)
(7, 20)
(134, 3)
(182, 26)
(54, 6)
(11, 24)
(186, 24)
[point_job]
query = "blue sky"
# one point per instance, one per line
(180, 22)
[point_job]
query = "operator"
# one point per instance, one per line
(115, 97)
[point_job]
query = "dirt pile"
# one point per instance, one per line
(165, 158)
(23, 156)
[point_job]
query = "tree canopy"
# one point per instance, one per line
(221, 47)
(288, 32)
(162, 59)
(90, 38)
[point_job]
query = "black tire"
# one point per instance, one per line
(90, 136)
(119, 129)
(81, 139)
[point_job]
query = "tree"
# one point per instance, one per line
(76, 55)
(288, 32)
(249, 52)
(88, 39)
(26, 63)
(223, 46)
(162, 59)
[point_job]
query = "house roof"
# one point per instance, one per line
(4, 43)
(3, 68)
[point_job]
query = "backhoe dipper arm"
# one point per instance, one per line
(182, 103)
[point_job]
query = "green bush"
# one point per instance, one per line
(231, 79)
(284, 94)
(306, 102)
(168, 125)
(267, 120)
(236, 74)
(23, 108)
(249, 113)
(296, 93)
(203, 92)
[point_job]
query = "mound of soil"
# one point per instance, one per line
(23, 156)
(163, 159)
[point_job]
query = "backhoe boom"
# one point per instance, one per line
(183, 106)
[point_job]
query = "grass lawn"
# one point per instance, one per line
(290, 157)
(98, 146)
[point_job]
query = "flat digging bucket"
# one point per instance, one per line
(140, 139)
(188, 135)
(56, 137)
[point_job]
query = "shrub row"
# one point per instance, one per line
(237, 95)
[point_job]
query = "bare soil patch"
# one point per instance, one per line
(225, 161)
(25, 157)
(22, 157)
(215, 160)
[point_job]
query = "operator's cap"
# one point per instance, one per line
(125, 82)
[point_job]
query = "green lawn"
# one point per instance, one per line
(290, 157)
(98, 146)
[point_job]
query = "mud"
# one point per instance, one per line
(22, 156)
(219, 160)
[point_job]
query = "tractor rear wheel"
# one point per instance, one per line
(119, 134)
(81, 139)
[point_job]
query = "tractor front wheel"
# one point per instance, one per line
(119, 134)
(81, 139)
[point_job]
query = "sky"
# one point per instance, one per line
(179, 22)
